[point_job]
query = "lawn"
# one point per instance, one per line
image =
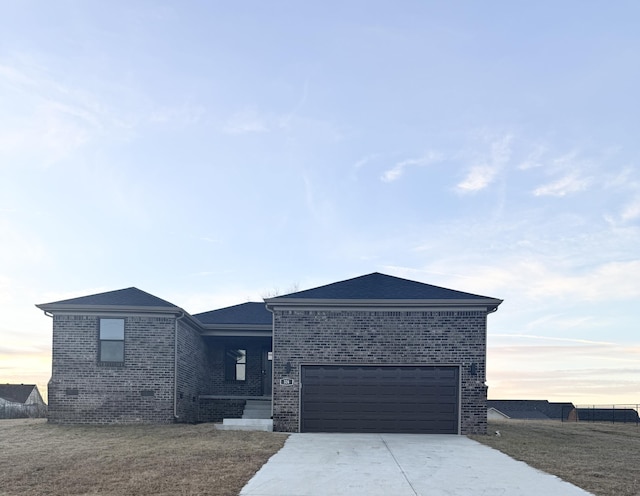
(601, 458)
(37, 458)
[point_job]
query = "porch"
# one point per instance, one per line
(237, 412)
(238, 380)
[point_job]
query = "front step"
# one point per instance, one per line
(256, 416)
(246, 425)
(257, 409)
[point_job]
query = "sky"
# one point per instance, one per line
(213, 153)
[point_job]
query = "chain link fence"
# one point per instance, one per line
(619, 413)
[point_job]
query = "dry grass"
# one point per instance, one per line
(37, 458)
(603, 459)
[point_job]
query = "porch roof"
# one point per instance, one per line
(251, 319)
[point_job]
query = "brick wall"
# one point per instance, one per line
(140, 390)
(380, 337)
(193, 372)
(215, 409)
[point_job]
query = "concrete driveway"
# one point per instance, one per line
(398, 465)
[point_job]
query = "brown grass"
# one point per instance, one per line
(603, 459)
(37, 458)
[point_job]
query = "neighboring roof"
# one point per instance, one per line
(532, 409)
(129, 298)
(528, 415)
(608, 415)
(16, 393)
(383, 289)
(246, 313)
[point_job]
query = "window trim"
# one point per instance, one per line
(112, 363)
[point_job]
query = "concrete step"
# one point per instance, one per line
(257, 409)
(257, 415)
(246, 425)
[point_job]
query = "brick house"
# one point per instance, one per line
(374, 353)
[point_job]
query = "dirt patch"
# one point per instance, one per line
(600, 458)
(38, 458)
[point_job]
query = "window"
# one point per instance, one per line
(111, 347)
(235, 364)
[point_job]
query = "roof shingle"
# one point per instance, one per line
(377, 286)
(16, 393)
(251, 313)
(130, 297)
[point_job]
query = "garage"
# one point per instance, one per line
(393, 399)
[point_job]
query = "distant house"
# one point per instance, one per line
(530, 410)
(608, 415)
(374, 353)
(21, 401)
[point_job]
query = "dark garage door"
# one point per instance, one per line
(379, 399)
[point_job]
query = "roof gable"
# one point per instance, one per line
(16, 393)
(377, 286)
(129, 297)
(381, 287)
(250, 313)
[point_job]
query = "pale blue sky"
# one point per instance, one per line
(212, 152)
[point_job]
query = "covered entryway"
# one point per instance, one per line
(392, 399)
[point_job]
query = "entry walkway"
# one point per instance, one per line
(398, 465)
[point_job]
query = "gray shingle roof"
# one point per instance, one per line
(129, 297)
(251, 313)
(532, 409)
(17, 393)
(377, 286)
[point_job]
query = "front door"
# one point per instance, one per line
(267, 379)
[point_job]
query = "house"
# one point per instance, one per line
(613, 415)
(21, 401)
(530, 410)
(375, 353)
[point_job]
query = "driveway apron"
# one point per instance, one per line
(398, 465)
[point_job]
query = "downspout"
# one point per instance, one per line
(273, 355)
(175, 369)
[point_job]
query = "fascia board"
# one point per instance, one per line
(92, 309)
(237, 327)
(237, 330)
(300, 303)
(259, 333)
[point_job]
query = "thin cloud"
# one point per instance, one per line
(185, 114)
(569, 184)
(399, 168)
(480, 176)
(364, 161)
(631, 211)
(534, 159)
(286, 119)
(550, 338)
(246, 121)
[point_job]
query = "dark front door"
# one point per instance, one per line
(408, 399)
(267, 378)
